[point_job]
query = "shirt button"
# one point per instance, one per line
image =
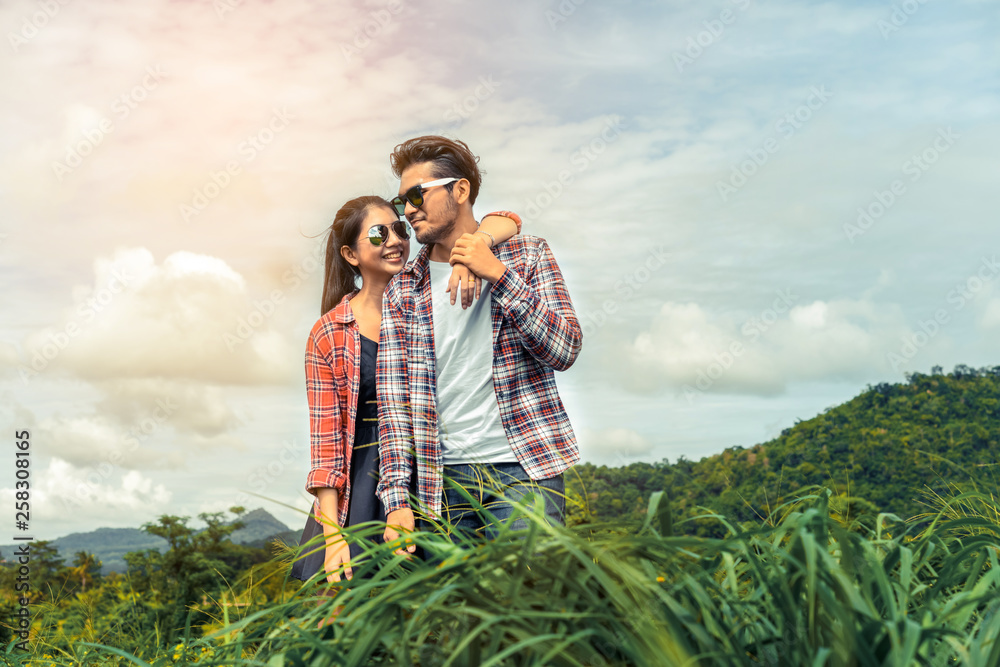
(499, 394)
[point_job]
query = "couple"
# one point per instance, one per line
(407, 387)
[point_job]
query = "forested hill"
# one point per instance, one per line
(886, 446)
(109, 545)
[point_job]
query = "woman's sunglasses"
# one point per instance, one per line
(379, 234)
(415, 195)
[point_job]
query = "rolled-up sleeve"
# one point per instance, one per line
(326, 443)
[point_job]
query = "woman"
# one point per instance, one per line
(366, 240)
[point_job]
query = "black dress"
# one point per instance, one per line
(363, 505)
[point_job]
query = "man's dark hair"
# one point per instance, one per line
(450, 157)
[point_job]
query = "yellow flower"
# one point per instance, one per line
(660, 580)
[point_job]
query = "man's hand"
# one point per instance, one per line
(464, 282)
(400, 520)
(473, 250)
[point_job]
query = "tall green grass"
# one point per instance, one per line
(798, 589)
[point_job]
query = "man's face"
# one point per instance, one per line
(436, 217)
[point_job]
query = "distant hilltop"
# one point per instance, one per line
(110, 545)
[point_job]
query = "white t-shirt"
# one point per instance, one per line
(469, 424)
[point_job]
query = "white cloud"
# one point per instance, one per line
(615, 445)
(143, 424)
(824, 340)
(189, 407)
(95, 440)
(8, 356)
(80, 441)
(63, 493)
(190, 318)
(991, 315)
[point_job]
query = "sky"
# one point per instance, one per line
(759, 209)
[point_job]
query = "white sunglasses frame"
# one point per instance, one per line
(404, 200)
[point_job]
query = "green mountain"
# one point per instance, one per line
(258, 526)
(885, 449)
(110, 545)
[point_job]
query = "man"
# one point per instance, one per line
(470, 394)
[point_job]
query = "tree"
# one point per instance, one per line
(47, 570)
(86, 569)
(196, 563)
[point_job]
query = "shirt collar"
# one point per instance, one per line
(342, 312)
(418, 266)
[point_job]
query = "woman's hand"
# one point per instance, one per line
(473, 251)
(338, 560)
(401, 519)
(464, 282)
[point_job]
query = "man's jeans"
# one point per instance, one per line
(494, 486)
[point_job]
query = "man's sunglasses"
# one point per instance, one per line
(379, 234)
(415, 195)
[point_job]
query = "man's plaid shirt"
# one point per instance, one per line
(535, 331)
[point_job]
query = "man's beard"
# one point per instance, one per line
(438, 233)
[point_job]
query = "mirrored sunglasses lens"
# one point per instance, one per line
(400, 205)
(378, 234)
(400, 229)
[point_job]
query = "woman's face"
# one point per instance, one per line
(391, 255)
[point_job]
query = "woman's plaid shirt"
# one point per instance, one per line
(535, 331)
(333, 376)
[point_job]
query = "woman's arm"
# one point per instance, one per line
(502, 225)
(495, 228)
(338, 553)
(328, 466)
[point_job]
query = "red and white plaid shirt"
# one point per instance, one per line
(333, 375)
(535, 331)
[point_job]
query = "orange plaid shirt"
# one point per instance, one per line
(333, 375)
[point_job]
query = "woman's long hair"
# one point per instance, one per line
(340, 277)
